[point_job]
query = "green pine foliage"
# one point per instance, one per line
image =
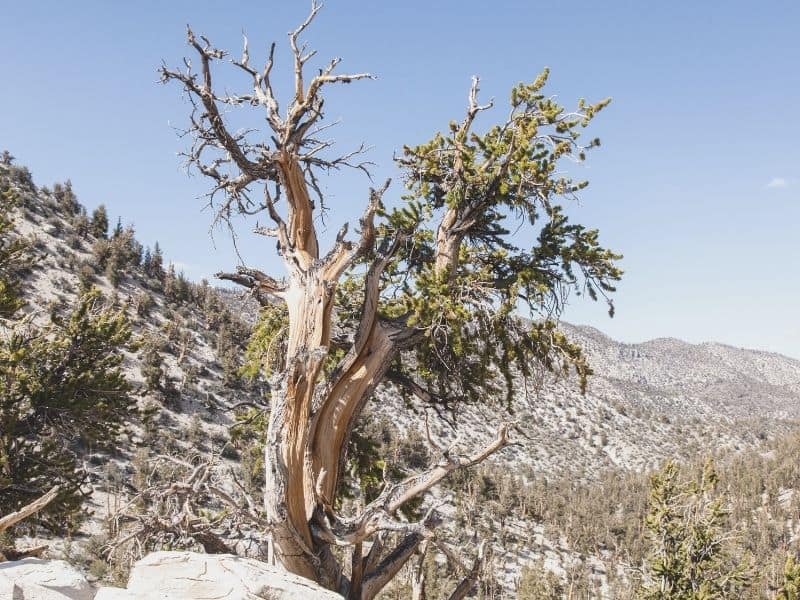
(66, 198)
(790, 590)
(63, 394)
(508, 179)
(605, 515)
(61, 384)
(264, 349)
(100, 222)
(152, 363)
(248, 437)
(228, 353)
(61, 388)
(692, 554)
(177, 288)
(15, 257)
(155, 266)
(119, 254)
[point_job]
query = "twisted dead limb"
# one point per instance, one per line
(29, 509)
(23, 513)
(171, 512)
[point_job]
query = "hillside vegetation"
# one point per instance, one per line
(565, 510)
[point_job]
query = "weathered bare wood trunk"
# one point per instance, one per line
(312, 416)
(361, 372)
(305, 451)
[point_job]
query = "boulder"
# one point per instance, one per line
(193, 576)
(37, 579)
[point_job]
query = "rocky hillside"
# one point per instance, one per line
(646, 402)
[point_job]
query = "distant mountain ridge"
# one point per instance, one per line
(653, 400)
(665, 362)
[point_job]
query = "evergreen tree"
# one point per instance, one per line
(15, 257)
(67, 201)
(791, 580)
(81, 223)
(134, 247)
(61, 386)
(176, 287)
(423, 296)
(152, 363)
(122, 252)
(86, 276)
(100, 222)
(144, 303)
(118, 229)
(147, 262)
(228, 355)
(170, 283)
(691, 556)
(265, 347)
(157, 263)
(112, 270)
(101, 250)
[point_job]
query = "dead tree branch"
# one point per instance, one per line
(29, 509)
(172, 512)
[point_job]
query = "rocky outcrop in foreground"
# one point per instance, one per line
(162, 576)
(36, 579)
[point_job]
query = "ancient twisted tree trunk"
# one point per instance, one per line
(305, 451)
(312, 417)
(289, 497)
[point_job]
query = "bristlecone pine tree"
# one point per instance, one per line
(692, 553)
(60, 385)
(424, 296)
(791, 580)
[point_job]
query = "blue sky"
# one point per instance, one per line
(697, 181)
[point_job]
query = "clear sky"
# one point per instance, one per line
(697, 181)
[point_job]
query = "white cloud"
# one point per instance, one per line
(778, 183)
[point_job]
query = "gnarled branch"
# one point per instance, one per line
(388, 568)
(345, 252)
(397, 495)
(29, 509)
(264, 288)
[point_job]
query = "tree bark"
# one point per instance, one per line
(305, 450)
(289, 495)
(333, 424)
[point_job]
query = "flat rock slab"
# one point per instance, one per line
(194, 576)
(37, 579)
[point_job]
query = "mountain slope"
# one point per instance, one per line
(664, 397)
(646, 402)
